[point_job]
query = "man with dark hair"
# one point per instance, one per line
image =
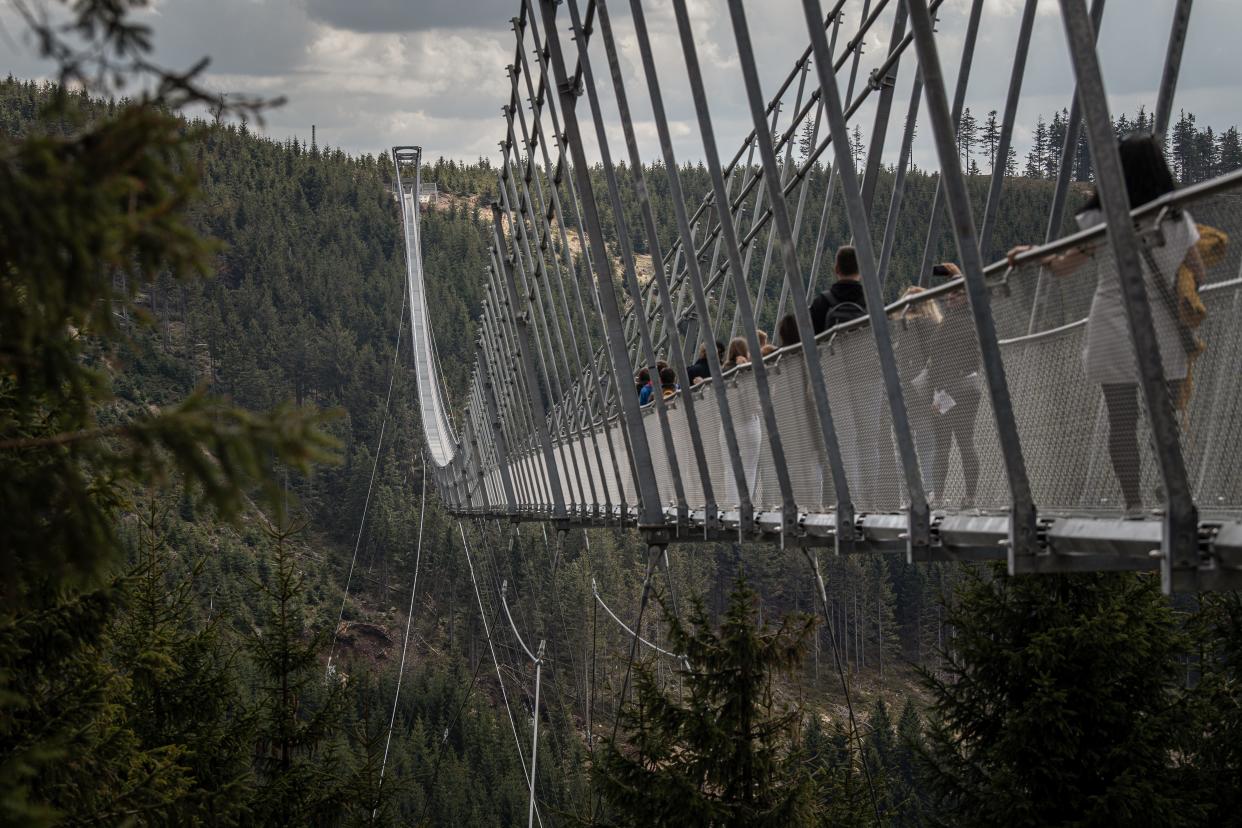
(845, 299)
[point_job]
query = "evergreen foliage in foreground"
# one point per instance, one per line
(1061, 705)
(728, 753)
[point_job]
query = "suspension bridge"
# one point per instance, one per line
(833, 440)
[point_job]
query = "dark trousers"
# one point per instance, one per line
(1122, 402)
(959, 424)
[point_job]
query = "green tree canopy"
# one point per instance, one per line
(726, 755)
(1059, 705)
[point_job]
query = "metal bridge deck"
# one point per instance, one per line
(853, 443)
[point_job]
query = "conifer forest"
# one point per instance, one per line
(209, 426)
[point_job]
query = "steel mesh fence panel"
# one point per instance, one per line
(856, 390)
(564, 474)
(950, 411)
(800, 433)
(659, 454)
(1213, 438)
(714, 449)
(606, 483)
(687, 463)
(751, 440)
(627, 477)
(1086, 442)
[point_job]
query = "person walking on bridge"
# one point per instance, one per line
(845, 299)
(699, 369)
(1109, 357)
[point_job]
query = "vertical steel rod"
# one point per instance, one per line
(899, 181)
(997, 181)
(959, 101)
(1022, 530)
(651, 515)
(1172, 66)
(538, 411)
(502, 445)
(919, 518)
(879, 129)
(785, 242)
(789, 509)
(675, 351)
(694, 276)
(1179, 562)
(1069, 148)
(630, 276)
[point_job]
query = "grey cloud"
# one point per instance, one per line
(376, 72)
(242, 37)
(407, 16)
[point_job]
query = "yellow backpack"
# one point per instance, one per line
(1191, 311)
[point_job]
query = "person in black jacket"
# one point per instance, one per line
(699, 370)
(845, 299)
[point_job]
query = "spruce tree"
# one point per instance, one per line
(299, 768)
(843, 794)
(1185, 148)
(1082, 154)
(1216, 743)
(728, 755)
(857, 148)
(967, 136)
(1037, 156)
(1056, 143)
(991, 139)
(1060, 705)
(1229, 150)
(183, 695)
(906, 789)
(806, 141)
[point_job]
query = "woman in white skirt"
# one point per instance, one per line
(1109, 356)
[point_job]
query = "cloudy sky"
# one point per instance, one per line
(374, 73)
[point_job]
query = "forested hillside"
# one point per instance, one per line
(202, 692)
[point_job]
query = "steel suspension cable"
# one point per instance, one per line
(552, 211)
(959, 101)
(676, 352)
(520, 211)
(809, 162)
(629, 663)
(560, 610)
(537, 660)
(812, 277)
(600, 600)
(558, 689)
(409, 618)
(813, 560)
(610, 391)
(379, 445)
(435, 768)
(487, 633)
(708, 201)
(694, 275)
(630, 278)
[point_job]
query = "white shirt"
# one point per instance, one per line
(1109, 352)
